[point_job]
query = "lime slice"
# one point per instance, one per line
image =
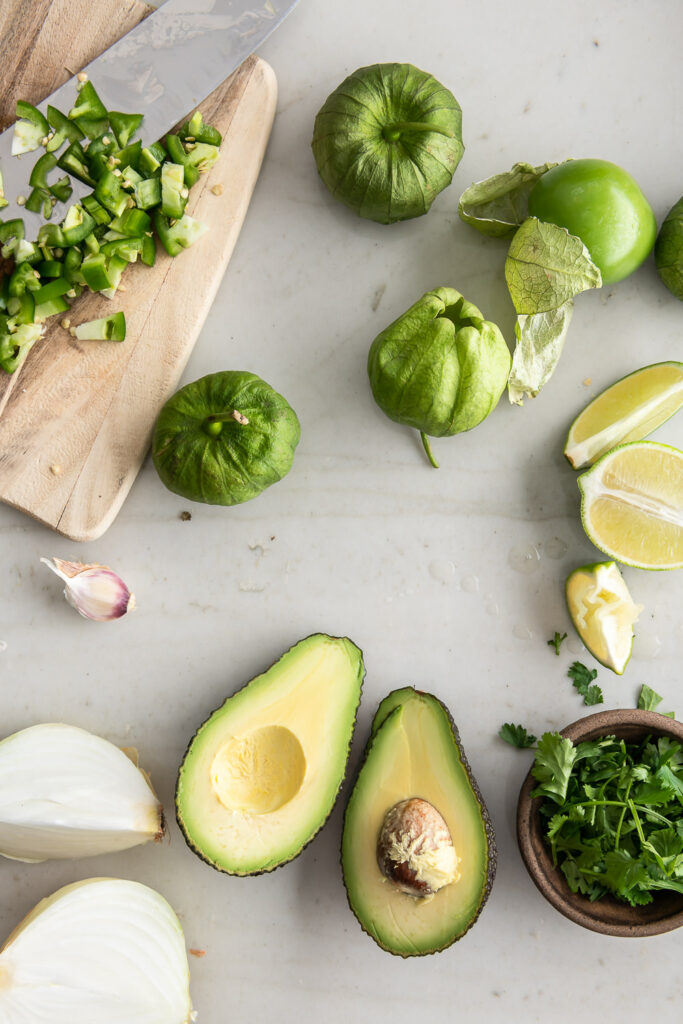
(632, 505)
(627, 411)
(603, 612)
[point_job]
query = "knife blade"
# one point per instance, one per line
(161, 69)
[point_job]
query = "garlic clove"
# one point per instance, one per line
(95, 591)
(101, 951)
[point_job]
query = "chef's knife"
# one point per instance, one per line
(162, 69)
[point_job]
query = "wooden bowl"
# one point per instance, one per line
(607, 915)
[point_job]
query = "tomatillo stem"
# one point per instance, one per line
(428, 449)
(393, 132)
(213, 425)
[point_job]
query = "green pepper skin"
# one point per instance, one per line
(669, 250)
(388, 140)
(203, 452)
(440, 367)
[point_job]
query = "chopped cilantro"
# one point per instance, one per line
(582, 677)
(650, 701)
(557, 641)
(516, 735)
(613, 813)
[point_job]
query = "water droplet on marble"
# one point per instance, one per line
(491, 605)
(252, 588)
(443, 571)
(522, 632)
(526, 558)
(555, 547)
(647, 647)
(3, 646)
(574, 644)
(470, 584)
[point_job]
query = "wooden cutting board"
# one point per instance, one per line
(76, 419)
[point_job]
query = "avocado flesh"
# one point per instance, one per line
(414, 751)
(262, 774)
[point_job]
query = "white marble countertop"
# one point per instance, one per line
(363, 538)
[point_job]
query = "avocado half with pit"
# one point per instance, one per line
(262, 774)
(418, 848)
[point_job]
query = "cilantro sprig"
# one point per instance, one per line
(516, 735)
(557, 641)
(582, 679)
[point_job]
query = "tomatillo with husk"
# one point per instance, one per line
(440, 367)
(224, 438)
(388, 140)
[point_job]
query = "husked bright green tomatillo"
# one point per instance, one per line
(440, 367)
(224, 438)
(388, 140)
(669, 250)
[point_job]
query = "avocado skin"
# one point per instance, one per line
(386, 707)
(181, 825)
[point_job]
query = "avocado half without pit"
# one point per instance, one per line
(262, 774)
(418, 849)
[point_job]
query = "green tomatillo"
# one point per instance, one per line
(669, 250)
(388, 140)
(601, 204)
(224, 438)
(440, 367)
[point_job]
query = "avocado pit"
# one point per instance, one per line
(415, 849)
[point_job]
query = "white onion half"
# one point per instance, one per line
(102, 951)
(67, 793)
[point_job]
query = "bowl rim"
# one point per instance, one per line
(574, 906)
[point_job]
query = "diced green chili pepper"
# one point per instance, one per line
(25, 252)
(132, 223)
(100, 155)
(64, 129)
(89, 112)
(149, 250)
(91, 243)
(50, 235)
(198, 131)
(22, 307)
(177, 153)
(72, 262)
(115, 269)
(94, 271)
(124, 126)
(110, 193)
(74, 161)
(173, 201)
(148, 193)
(61, 189)
(30, 131)
(16, 343)
(130, 155)
(3, 201)
(23, 278)
(107, 328)
(50, 307)
(152, 158)
(77, 225)
(96, 210)
(178, 236)
(127, 248)
(52, 290)
(49, 268)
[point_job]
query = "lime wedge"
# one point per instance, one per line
(603, 612)
(632, 505)
(627, 411)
